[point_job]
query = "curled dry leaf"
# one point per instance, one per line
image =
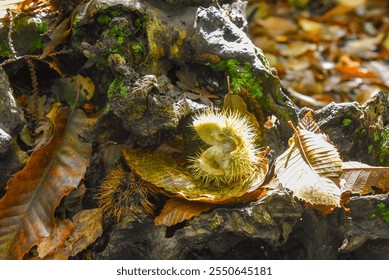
(27, 208)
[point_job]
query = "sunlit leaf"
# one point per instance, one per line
(298, 175)
(27, 208)
(177, 210)
(307, 166)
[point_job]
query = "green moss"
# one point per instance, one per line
(360, 131)
(107, 108)
(116, 88)
(4, 50)
(140, 23)
(383, 211)
(76, 20)
(376, 137)
(242, 77)
(37, 45)
(347, 122)
(116, 13)
(381, 144)
(118, 32)
(370, 149)
(103, 19)
(138, 47)
(384, 147)
(42, 27)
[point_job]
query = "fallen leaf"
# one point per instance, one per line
(27, 208)
(177, 210)
(363, 179)
(297, 175)
(355, 72)
(365, 47)
(308, 165)
(57, 238)
(277, 26)
(72, 237)
(297, 48)
(310, 25)
(88, 226)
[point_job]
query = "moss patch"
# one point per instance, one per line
(4, 50)
(381, 143)
(383, 211)
(116, 88)
(242, 77)
(347, 122)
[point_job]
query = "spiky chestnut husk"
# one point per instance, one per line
(232, 155)
(123, 191)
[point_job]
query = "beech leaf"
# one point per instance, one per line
(177, 210)
(309, 164)
(27, 208)
(296, 174)
(360, 178)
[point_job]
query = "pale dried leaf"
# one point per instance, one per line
(361, 178)
(319, 154)
(296, 174)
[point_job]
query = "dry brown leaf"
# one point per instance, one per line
(85, 227)
(57, 238)
(60, 33)
(355, 72)
(88, 226)
(177, 210)
(27, 208)
(363, 179)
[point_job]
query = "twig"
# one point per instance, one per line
(10, 41)
(34, 82)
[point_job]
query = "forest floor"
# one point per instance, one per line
(324, 51)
